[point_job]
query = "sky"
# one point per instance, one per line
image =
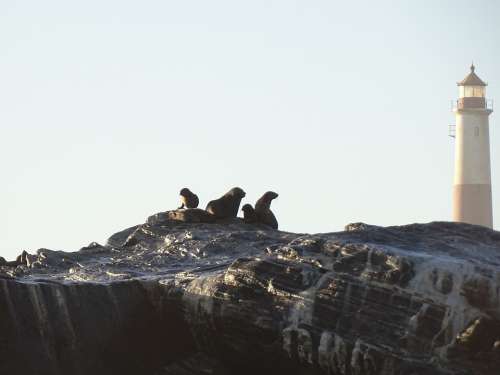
(109, 107)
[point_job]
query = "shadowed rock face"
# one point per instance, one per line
(180, 295)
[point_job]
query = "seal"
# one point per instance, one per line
(249, 215)
(263, 210)
(188, 199)
(228, 205)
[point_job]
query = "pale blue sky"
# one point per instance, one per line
(109, 108)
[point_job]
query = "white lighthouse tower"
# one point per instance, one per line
(472, 183)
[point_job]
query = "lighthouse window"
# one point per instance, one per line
(478, 92)
(476, 131)
(462, 91)
(472, 92)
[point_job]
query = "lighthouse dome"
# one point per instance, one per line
(472, 79)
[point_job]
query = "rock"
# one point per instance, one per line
(3, 262)
(496, 345)
(25, 259)
(182, 294)
(479, 344)
(358, 226)
(22, 258)
(122, 238)
(480, 335)
(189, 215)
(93, 247)
(442, 282)
(477, 292)
(198, 364)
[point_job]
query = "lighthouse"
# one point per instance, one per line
(472, 201)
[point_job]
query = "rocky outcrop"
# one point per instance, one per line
(182, 294)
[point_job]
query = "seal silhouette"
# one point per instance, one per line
(228, 205)
(249, 215)
(263, 210)
(188, 199)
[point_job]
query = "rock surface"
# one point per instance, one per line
(182, 295)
